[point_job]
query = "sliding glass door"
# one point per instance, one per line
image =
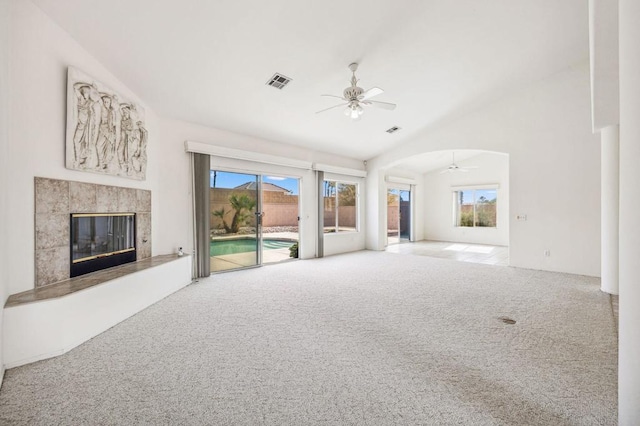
(393, 219)
(405, 215)
(244, 207)
(280, 218)
(235, 221)
(398, 215)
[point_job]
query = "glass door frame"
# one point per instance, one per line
(257, 213)
(298, 180)
(410, 213)
(400, 188)
(260, 173)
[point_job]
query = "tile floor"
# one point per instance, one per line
(475, 253)
(465, 252)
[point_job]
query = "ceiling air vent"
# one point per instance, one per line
(393, 129)
(278, 81)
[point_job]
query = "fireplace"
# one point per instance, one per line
(101, 240)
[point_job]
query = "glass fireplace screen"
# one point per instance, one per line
(100, 235)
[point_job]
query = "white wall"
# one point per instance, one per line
(4, 141)
(375, 208)
(438, 203)
(603, 56)
(554, 170)
(40, 53)
(629, 332)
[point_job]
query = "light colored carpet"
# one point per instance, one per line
(364, 338)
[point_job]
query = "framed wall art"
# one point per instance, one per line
(106, 133)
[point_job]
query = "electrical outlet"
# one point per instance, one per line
(521, 217)
(547, 253)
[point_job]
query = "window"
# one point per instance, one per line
(476, 207)
(340, 206)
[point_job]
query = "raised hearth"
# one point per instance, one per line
(66, 287)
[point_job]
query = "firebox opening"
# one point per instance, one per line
(101, 240)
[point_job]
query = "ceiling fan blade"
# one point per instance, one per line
(335, 106)
(334, 96)
(383, 105)
(469, 167)
(445, 171)
(374, 91)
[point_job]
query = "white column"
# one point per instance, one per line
(5, 24)
(375, 209)
(629, 331)
(610, 199)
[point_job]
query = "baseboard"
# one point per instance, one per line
(35, 358)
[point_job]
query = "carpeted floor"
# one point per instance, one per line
(368, 338)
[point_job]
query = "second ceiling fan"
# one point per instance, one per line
(355, 98)
(453, 167)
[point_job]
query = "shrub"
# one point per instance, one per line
(293, 251)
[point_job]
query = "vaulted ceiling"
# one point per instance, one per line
(207, 61)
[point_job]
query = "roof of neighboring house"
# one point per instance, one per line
(265, 187)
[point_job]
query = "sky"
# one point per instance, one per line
(489, 194)
(404, 195)
(231, 180)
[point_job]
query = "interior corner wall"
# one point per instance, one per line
(492, 168)
(4, 185)
(375, 209)
(39, 54)
(554, 168)
(419, 211)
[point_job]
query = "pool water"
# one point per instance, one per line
(245, 245)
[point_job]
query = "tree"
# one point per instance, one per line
(466, 217)
(346, 194)
(243, 205)
(329, 188)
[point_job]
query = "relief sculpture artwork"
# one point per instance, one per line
(105, 133)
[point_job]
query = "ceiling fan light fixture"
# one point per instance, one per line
(355, 97)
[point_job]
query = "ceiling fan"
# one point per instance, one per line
(453, 167)
(355, 98)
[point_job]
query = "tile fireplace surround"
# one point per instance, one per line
(56, 199)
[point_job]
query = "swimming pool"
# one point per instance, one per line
(244, 245)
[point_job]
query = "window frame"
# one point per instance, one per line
(336, 227)
(457, 205)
